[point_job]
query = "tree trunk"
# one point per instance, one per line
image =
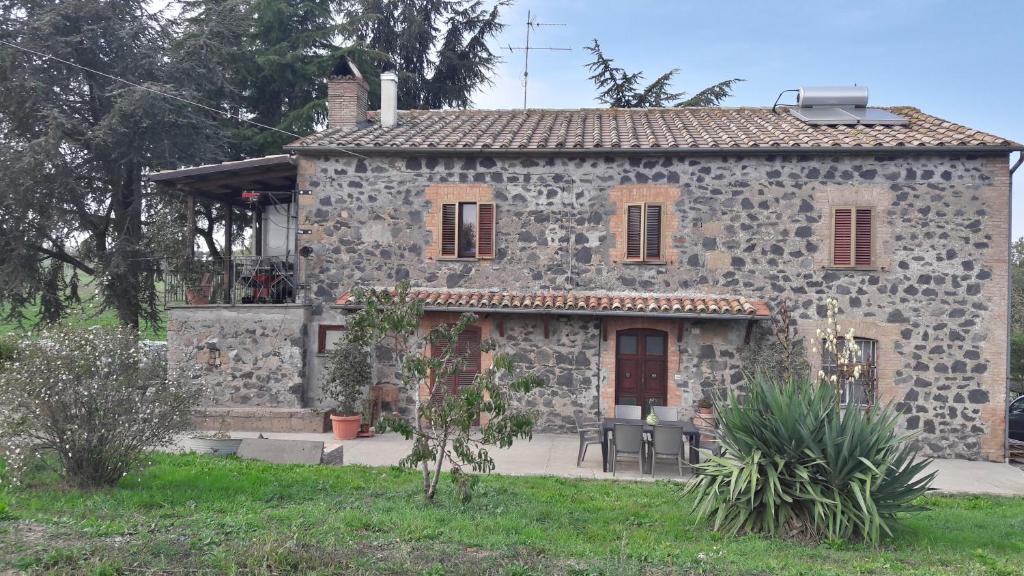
(437, 467)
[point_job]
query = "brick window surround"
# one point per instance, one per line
(853, 198)
(440, 194)
(625, 196)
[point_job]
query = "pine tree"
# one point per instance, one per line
(621, 89)
(438, 48)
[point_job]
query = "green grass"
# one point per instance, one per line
(202, 514)
(86, 314)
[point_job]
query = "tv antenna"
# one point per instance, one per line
(530, 25)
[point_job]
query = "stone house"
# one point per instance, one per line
(630, 256)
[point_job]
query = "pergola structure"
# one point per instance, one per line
(249, 185)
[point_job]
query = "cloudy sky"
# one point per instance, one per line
(959, 60)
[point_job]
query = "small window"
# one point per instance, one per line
(467, 230)
(655, 345)
(852, 237)
(627, 344)
(858, 391)
(1018, 406)
(328, 337)
(643, 232)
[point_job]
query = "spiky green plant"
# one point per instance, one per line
(796, 464)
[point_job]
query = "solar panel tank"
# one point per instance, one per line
(856, 96)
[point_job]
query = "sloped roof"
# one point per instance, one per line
(643, 129)
(580, 302)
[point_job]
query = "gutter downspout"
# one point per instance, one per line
(1009, 304)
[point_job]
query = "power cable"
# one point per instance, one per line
(161, 93)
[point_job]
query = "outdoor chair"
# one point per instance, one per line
(667, 443)
(666, 413)
(590, 433)
(624, 411)
(627, 439)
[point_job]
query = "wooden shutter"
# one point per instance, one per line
(449, 230)
(862, 238)
(634, 231)
(652, 232)
(485, 230)
(842, 236)
(468, 348)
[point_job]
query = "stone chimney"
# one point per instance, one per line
(347, 94)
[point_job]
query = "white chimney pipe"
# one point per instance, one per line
(388, 99)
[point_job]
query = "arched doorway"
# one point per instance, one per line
(641, 368)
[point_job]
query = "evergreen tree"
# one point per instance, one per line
(621, 89)
(76, 145)
(438, 48)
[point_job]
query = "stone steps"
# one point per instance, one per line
(260, 419)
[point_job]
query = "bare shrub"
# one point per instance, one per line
(90, 401)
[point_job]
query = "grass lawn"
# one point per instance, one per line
(188, 514)
(86, 314)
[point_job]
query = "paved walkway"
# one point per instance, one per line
(555, 455)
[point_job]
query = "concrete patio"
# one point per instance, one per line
(555, 455)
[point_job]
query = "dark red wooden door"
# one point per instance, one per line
(641, 368)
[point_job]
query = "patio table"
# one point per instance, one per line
(686, 428)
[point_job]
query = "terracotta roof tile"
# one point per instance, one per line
(643, 129)
(591, 302)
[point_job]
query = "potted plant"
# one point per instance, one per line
(217, 443)
(652, 416)
(705, 406)
(348, 374)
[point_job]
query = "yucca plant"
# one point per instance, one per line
(798, 465)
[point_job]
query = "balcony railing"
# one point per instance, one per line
(238, 280)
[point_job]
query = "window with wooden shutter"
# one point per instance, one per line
(842, 236)
(643, 232)
(634, 232)
(468, 349)
(852, 237)
(652, 232)
(862, 235)
(485, 230)
(449, 230)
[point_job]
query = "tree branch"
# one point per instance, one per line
(64, 257)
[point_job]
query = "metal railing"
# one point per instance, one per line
(238, 280)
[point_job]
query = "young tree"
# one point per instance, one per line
(621, 89)
(444, 430)
(76, 144)
(438, 48)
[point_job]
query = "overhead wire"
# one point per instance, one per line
(223, 113)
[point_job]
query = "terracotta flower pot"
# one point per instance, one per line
(345, 427)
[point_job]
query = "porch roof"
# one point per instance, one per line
(274, 176)
(574, 302)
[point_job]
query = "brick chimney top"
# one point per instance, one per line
(347, 95)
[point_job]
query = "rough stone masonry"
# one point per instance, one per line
(756, 226)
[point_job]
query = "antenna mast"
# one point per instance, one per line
(530, 24)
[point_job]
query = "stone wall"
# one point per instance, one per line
(261, 352)
(754, 226)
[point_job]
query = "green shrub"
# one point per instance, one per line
(90, 399)
(796, 464)
(347, 376)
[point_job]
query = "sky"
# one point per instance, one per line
(958, 60)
